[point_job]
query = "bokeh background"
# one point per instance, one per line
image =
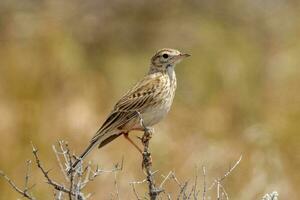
(63, 65)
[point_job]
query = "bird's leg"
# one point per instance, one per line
(126, 135)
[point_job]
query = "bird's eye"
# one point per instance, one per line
(165, 55)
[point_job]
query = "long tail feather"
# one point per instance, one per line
(100, 141)
(83, 155)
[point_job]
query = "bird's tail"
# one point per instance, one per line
(82, 156)
(101, 141)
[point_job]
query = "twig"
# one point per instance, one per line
(135, 192)
(204, 183)
(116, 185)
(72, 176)
(99, 171)
(181, 186)
(218, 190)
(271, 196)
(59, 195)
(55, 185)
(165, 179)
(182, 191)
(232, 168)
(169, 197)
(25, 193)
(195, 184)
(226, 174)
(59, 161)
(133, 183)
(190, 193)
(28, 162)
(138, 182)
(224, 192)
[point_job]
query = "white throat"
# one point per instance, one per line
(171, 72)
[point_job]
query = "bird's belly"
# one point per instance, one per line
(155, 115)
(150, 117)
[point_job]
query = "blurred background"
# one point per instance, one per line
(63, 65)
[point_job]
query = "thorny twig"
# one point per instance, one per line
(84, 174)
(184, 192)
(147, 161)
(26, 191)
(98, 171)
(55, 185)
(76, 181)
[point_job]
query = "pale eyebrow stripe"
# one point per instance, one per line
(164, 50)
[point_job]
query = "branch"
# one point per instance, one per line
(147, 162)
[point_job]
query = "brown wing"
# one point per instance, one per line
(142, 95)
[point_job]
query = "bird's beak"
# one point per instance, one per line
(184, 55)
(180, 57)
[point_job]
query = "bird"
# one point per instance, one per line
(149, 100)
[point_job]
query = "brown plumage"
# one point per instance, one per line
(149, 99)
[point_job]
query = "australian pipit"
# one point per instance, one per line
(150, 100)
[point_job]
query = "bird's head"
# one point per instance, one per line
(165, 58)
